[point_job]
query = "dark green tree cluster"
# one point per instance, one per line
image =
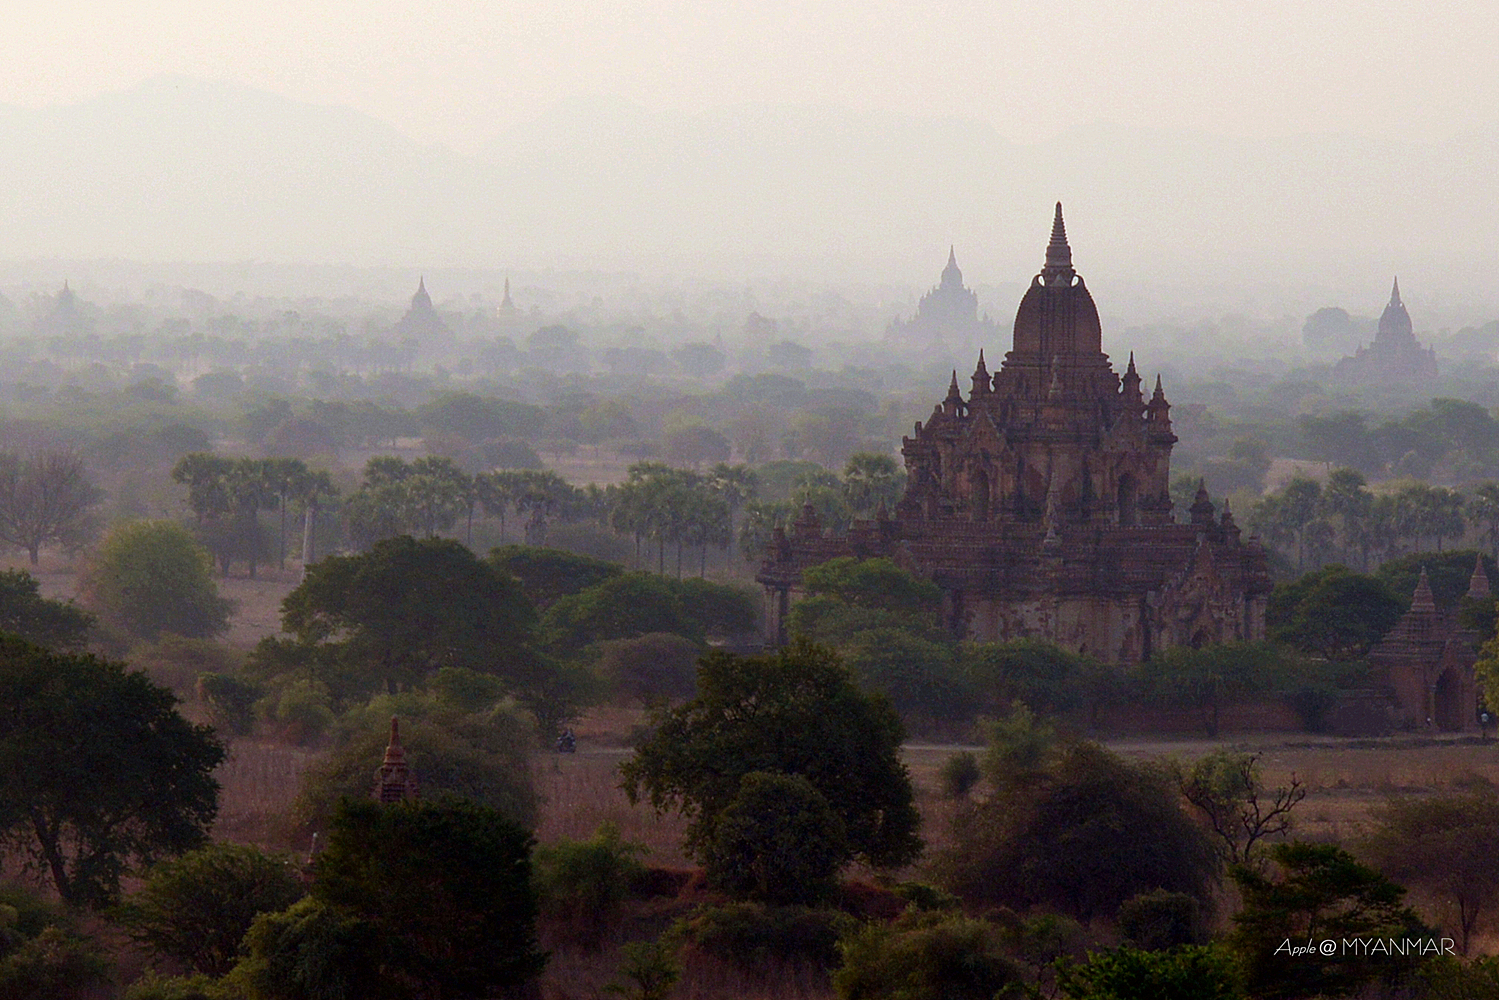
(768, 744)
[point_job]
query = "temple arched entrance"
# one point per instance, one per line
(1448, 711)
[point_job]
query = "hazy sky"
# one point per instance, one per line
(461, 71)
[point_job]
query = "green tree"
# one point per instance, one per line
(1320, 892)
(98, 772)
(1483, 509)
(547, 575)
(871, 480)
(583, 883)
(46, 497)
(777, 841)
(407, 608)
(847, 595)
(1195, 972)
(195, 909)
(150, 577)
(26, 613)
(920, 677)
(926, 956)
(1333, 613)
(1445, 844)
(797, 712)
(1082, 832)
(470, 930)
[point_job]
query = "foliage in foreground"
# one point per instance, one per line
(424, 898)
(796, 712)
(195, 909)
(98, 772)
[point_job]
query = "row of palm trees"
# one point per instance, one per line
(657, 505)
(1345, 521)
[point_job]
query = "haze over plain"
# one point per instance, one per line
(1205, 153)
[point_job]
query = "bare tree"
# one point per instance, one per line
(45, 497)
(1225, 789)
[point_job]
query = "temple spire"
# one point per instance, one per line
(1422, 600)
(1478, 583)
(394, 780)
(981, 385)
(1058, 269)
(1395, 293)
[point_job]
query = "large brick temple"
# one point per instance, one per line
(1040, 504)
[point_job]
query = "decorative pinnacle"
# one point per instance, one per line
(1058, 269)
(952, 387)
(394, 752)
(1395, 292)
(952, 255)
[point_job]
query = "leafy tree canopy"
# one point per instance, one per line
(1448, 574)
(485, 757)
(795, 712)
(98, 772)
(1445, 844)
(408, 607)
(469, 930)
(1333, 613)
(1319, 891)
(1083, 831)
(26, 613)
(150, 577)
(196, 908)
(546, 575)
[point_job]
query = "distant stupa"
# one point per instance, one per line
(421, 320)
(947, 314)
(1395, 356)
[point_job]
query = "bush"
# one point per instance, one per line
(230, 700)
(919, 676)
(777, 841)
(197, 987)
(1190, 973)
(150, 577)
(649, 971)
(959, 774)
(583, 882)
(925, 955)
(1159, 920)
(750, 935)
(301, 709)
(55, 963)
(1082, 832)
(195, 909)
(655, 667)
(926, 897)
(177, 662)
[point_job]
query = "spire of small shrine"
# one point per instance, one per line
(1202, 505)
(394, 781)
(1478, 583)
(1422, 600)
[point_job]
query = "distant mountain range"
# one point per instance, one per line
(183, 169)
